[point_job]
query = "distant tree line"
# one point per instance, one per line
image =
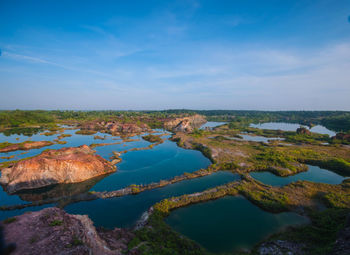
(335, 120)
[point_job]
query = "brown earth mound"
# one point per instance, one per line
(66, 165)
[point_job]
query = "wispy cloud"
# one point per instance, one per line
(20, 57)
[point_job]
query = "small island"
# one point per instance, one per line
(152, 138)
(66, 165)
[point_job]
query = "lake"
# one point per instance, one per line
(314, 174)
(256, 138)
(229, 224)
(292, 127)
(212, 124)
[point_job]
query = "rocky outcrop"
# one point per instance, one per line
(116, 128)
(26, 146)
(66, 165)
(280, 247)
(303, 131)
(53, 231)
(185, 124)
(342, 136)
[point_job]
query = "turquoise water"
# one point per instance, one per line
(163, 161)
(292, 127)
(125, 211)
(146, 166)
(314, 174)
(73, 141)
(229, 224)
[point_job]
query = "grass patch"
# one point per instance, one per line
(160, 239)
(56, 223)
(152, 138)
(320, 235)
(9, 220)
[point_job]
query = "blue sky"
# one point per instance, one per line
(263, 55)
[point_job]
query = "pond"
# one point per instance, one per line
(125, 211)
(229, 224)
(145, 166)
(212, 124)
(257, 138)
(314, 174)
(292, 127)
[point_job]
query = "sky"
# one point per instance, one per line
(153, 55)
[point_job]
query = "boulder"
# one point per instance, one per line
(303, 131)
(53, 231)
(66, 165)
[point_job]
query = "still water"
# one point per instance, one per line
(229, 224)
(314, 174)
(125, 211)
(292, 127)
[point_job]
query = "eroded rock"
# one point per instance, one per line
(185, 124)
(53, 231)
(116, 128)
(66, 165)
(303, 131)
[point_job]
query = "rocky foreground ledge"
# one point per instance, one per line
(53, 231)
(66, 165)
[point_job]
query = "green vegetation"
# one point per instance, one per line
(152, 138)
(338, 165)
(280, 157)
(19, 118)
(135, 189)
(313, 138)
(198, 133)
(76, 242)
(205, 150)
(5, 144)
(270, 200)
(50, 133)
(319, 236)
(278, 162)
(160, 239)
(9, 220)
(56, 223)
(335, 120)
